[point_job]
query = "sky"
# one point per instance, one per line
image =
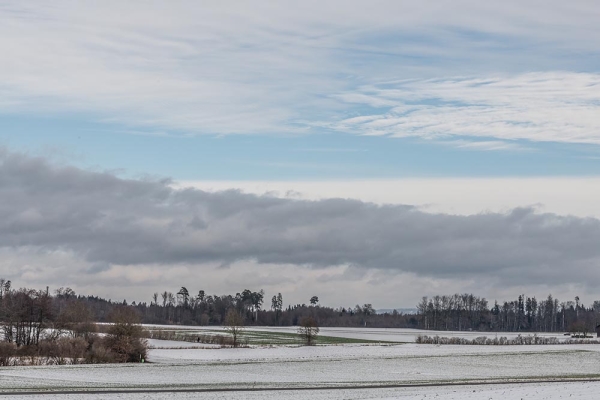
(365, 152)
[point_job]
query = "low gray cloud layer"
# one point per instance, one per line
(107, 220)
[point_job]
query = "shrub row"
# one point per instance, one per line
(123, 342)
(171, 334)
(500, 341)
(62, 351)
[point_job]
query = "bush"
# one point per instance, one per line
(234, 325)
(126, 348)
(7, 352)
(308, 330)
(100, 354)
(125, 336)
(63, 351)
(124, 342)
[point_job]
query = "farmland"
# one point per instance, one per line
(363, 369)
(287, 334)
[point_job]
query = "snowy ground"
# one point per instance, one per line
(376, 334)
(574, 391)
(333, 370)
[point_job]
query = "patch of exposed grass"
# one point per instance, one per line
(264, 338)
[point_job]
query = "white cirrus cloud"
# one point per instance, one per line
(267, 67)
(536, 107)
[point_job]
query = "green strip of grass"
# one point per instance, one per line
(267, 338)
(282, 338)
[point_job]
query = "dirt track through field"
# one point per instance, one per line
(304, 388)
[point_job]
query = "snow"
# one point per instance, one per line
(537, 391)
(400, 335)
(351, 352)
(182, 365)
(284, 367)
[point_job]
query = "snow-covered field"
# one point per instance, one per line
(535, 391)
(377, 334)
(332, 370)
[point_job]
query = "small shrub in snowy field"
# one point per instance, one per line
(99, 354)
(234, 325)
(308, 330)
(480, 340)
(125, 336)
(7, 352)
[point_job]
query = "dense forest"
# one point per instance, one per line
(24, 312)
(528, 314)
(182, 308)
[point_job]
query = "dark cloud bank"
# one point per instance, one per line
(107, 220)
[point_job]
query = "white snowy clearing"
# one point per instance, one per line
(348, 371)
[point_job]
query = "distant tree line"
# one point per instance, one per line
(25, 312)
(449, 312)
(184, 308)
(525, 314)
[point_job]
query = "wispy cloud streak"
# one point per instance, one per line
(537, 107)
(271, 68)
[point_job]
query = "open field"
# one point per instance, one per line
(529, 391)
(349, 371)
(265, 336)
(257, 336)
(287, 334)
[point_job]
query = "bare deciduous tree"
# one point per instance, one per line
(234, 324)
(308, 330)
(75, 318)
